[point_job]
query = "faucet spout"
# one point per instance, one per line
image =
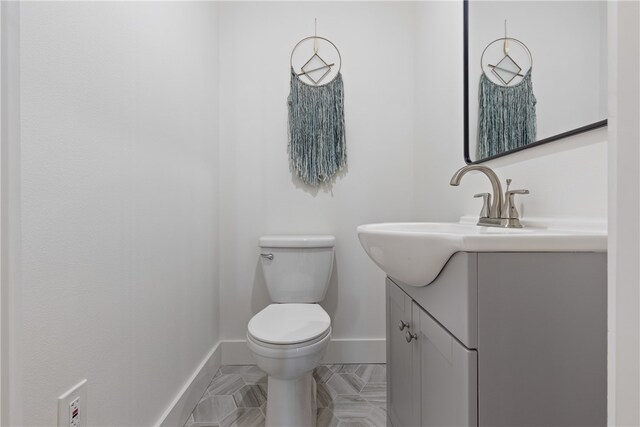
(496, 205)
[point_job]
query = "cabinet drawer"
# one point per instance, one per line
(452, 297)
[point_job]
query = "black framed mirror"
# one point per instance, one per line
(567, 41)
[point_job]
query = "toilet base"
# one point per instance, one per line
(291, 403)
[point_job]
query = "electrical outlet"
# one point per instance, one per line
(72, 406)
(74, 413)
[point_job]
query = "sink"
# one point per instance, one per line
(415, 252)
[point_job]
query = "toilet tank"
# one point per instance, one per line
(297, 268)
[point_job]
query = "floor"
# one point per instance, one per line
(348, 396)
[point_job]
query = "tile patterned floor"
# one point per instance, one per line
(348, 396)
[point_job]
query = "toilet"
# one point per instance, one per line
(290, 336)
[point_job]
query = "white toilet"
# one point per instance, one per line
(288, 338)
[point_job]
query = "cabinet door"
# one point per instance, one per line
(403, 386)
(448, 376)
(542, 333)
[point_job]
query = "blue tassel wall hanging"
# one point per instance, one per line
(317, 144)
(506, 111)
(507, 116)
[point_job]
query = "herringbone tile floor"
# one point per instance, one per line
(347, 395)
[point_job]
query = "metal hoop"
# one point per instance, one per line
(317, 38)
(511, 39)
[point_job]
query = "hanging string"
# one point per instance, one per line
(315, 39)
(506, 40)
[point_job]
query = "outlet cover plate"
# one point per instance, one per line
(65, 400)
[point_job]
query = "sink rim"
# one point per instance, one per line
(450, 228)
(466, 228)
(415, 255)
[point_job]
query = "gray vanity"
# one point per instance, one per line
(500, 339)
(494, 324)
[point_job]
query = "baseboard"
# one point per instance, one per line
(236, 352)
(189, 395)
(356, 351)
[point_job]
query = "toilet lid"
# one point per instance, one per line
(289, 323)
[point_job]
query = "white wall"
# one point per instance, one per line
(624, 211)
(258, 193)
(9, 201)
(567, 178)
(438, 106)
(118, 200)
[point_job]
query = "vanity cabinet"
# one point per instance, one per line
(403, 394)
(500, 339)
(432, 376)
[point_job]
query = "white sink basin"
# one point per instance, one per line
(415, 252)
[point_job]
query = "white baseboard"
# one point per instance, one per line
(189, 395)
(356, 351)
(236, 352)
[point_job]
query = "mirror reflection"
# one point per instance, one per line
(535, 72)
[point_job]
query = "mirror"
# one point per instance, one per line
(547, 83)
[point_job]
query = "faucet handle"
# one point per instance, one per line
(486, 203)
(509, 209)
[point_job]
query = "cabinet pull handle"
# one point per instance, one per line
(410, 336)
(403, 325)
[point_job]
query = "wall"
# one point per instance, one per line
(9, 201)
(567, 178)
(624, 211)
(118, 201)
(259, 194)
(438, 106)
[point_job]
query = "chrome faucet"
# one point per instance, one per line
(496, 210)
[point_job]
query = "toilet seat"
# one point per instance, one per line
(298, 346)
(289, 325)
(284, 350)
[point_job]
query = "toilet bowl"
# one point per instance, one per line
(289, 338)
(289, 362)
